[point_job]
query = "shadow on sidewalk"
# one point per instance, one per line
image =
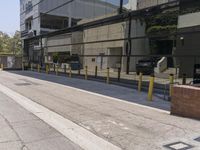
(110, 90)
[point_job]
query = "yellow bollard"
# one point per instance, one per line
(184, 79)
(22, 66)
(108, 76)
(39, 68)
(151, 86)
(70, 72)
(57, 70)
(86, 72)
(47, 69)
(2, 66)
(31, 67)
(96, 71)
(171, 82)
(140, 82)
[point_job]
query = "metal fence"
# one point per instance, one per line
(165, 70)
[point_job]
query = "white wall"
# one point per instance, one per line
(189, 20)
(132, 5)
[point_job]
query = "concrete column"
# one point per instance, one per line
(70, 22)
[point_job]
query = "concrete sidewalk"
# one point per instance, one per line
(118, 115)
(21, 130)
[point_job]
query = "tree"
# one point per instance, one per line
(10, 45)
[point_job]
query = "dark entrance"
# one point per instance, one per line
(163, 47)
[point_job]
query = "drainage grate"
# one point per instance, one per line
(22, 84)
(179, 146)
(197, 139)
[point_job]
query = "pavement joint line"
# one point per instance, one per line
(77, 134)
(96, 94)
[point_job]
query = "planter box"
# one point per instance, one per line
(186, 101)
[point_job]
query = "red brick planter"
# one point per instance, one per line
(186, 101)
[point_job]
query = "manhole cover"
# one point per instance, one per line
(22, 84)
(179, 146)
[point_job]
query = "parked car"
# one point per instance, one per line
(146, 66)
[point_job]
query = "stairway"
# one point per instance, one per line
(165, 74)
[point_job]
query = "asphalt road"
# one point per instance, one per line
(121, 116)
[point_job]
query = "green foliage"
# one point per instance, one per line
(161, 29)
(55, 57)
(61, 57)
(10, 45)
(190, 10)
(164, 22)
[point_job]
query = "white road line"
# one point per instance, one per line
(80, 136)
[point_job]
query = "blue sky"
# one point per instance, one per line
(9, 16)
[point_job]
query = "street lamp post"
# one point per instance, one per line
(121, 6)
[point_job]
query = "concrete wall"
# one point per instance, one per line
(189, 20)
(77, 37)
(115, 31)
(108, 32)
(149, 3)
(11, 62)
(59, 40)
(188, 44)
(191, 46)
(115, 62)
(139, 46)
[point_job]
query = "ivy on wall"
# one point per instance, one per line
(162, 23)
(168, 29)
(190, 10)
(159, 24)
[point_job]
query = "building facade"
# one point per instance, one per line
(114, 49)
(40, 16)
(43, 16)
(150, 3)
(188, 36)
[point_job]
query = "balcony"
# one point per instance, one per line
(46, 30)
(24, 33)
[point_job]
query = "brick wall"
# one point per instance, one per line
(186, 101)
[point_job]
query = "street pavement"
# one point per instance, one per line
(118, 115)
(21, 130)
